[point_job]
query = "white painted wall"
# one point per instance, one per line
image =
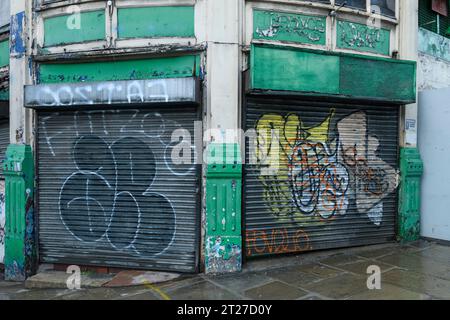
(434, 146)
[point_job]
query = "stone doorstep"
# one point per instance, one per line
(51, 279)
(58, 280)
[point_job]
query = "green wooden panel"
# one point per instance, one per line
(381, 79)
(4, 95)
(359, 37)
(151, 22)
(325, 73)
(4, 53)
(173, 67)
(289, 27)
(65, 29)
(294, 70)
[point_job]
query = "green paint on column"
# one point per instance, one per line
(4, 95)
(20, 247)
(223, 245)
(411, 170)
(66, 29)
(4, 53)
(157, 68)
(154, 22)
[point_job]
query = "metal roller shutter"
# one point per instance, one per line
(329, 180)
(109, 193)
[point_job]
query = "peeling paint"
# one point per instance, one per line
(17, 45)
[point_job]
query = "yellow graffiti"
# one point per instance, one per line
(277, 138)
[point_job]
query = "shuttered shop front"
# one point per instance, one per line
(321, 175)
(109, 192)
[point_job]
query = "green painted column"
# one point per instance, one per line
(20, 248)
(411, 169)
(223, 243)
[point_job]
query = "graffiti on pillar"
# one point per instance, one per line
(2, 220)
(316, 176)
(109, 197)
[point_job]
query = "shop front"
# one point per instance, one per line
(110, 190)
(323, 170)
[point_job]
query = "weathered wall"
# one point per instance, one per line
(434, 61)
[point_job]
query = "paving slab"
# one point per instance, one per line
(361, 267)
(39, 294)
(432, 286)
(136, 278)
(371, 254)
(418, 264)
(293, 276)
(204, 290)
(341, 260)
(58, 280)
(275, 290)
(437, 252)
(242, 281)
(319, 270)
(389, 292)
(340, 287)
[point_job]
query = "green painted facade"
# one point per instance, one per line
(4, 53)
(360, 37)
(411, 170)
(281, 26)
(59, 30)
(20, 246)
(4, 95)
(154, 22)
(223, 243)
(315, 72)
(157, 68)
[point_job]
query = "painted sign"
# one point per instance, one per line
(360, 37)
(290, 27)
(111, 92)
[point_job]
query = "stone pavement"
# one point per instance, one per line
(420, 270)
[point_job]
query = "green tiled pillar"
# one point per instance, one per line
(20, 248)
(411, 169)
(223, 241)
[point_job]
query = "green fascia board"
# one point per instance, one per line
(324, 73)
(282, 69)
(156, 68)
(289, 27)
(4, 53)
(359, 37)
(58, 30)
(389, 79)
(155, 22)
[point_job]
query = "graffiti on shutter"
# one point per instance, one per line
(312, 175)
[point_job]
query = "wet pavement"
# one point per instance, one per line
(415, 271)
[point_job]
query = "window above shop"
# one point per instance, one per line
(4, 13)
(383, 7)
(434, 16)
